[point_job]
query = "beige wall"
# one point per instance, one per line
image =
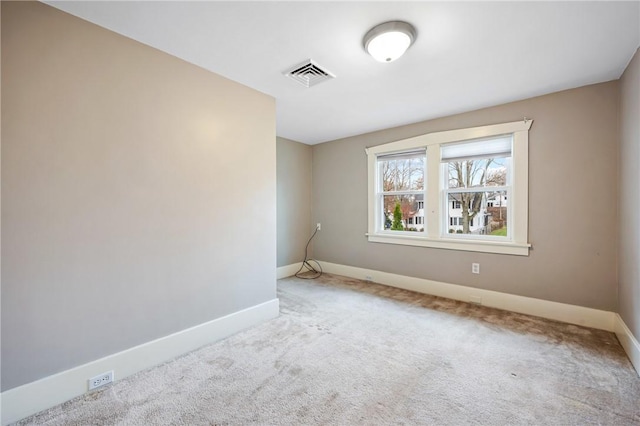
(629, 202)
(294, 200)
(572, 203)
(130, 186)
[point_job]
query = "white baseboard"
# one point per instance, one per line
(628, 342)
(28, 399)
(588, 317)
(288, 270)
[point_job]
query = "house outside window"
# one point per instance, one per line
(476, 194)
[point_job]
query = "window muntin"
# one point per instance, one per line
(500, 200)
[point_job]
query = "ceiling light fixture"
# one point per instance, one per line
(388, 41)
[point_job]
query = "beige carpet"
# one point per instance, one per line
(346, 352)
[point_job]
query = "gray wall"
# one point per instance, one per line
(294, 200)
(138, 194)
(629, 202)
(573, 149)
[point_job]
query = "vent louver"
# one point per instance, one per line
(309, 74)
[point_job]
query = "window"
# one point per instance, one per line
(461, 189)
(401, 177)
(477, 173)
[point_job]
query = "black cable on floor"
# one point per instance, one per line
(305, 263)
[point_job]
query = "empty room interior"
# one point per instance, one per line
(292, 212)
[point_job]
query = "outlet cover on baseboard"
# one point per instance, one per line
(101, 380)
(475, 299)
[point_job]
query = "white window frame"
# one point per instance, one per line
(435, 205)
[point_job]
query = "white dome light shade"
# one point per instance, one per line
(387, 42)
(388, 47)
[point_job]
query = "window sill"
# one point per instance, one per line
(497, 247)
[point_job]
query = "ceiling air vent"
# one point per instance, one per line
(309, 73)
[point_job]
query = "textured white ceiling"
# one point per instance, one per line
(467, 55)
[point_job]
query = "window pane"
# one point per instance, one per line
(402, 212)
(480, 213)
(404, 174)
(478, 173)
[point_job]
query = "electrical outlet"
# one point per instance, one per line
(319, 226)
(368, 278)
(475, 268)
(475, 299)
(101, 380)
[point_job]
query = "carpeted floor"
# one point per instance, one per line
(347, 352)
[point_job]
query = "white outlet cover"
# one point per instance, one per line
(101, 380)
(475, 299)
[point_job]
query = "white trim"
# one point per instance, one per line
(628, 341)
(287, 270)
(484, 246)
(28, 399)
(519, 198)
(435, 173)
(372, 184)
(572, 314)
(446, 136)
